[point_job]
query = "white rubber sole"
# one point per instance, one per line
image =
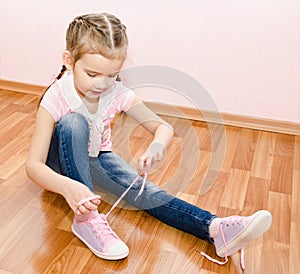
(105, 256)
(260, 222)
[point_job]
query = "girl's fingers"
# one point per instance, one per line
(87, 206)
(96, 201)
(87, 199)
(148, 164)
(144, 165)
(80, 210)
(141, 163)
(90, 206)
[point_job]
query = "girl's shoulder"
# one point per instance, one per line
(52, 93)
(121, 96)
(58, 99)
(57, 88)
(120, 86)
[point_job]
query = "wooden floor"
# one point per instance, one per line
(248, 171)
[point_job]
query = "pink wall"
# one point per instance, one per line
(245, 53)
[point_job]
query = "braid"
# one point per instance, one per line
(62, 71)
(97, 33)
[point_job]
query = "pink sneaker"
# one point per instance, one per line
(98, 235)
(235, 232)
(100, 238)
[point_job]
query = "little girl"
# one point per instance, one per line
(71, 147)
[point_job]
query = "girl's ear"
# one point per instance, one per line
(68, 59)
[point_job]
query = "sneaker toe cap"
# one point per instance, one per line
(119, 250)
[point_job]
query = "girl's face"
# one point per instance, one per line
(93, 74)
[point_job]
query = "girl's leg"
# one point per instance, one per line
(68, 154)
(113, 174)
(229, 234)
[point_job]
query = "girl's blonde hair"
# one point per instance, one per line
(97, 34)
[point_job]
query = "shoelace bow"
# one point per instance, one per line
(231, 220)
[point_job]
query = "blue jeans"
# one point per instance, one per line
(68, 155)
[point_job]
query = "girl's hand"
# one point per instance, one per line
(74, 193)
(86, 207)
(154, 153)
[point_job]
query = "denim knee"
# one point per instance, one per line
(74, 123)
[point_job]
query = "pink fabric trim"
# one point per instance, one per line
(61, 98)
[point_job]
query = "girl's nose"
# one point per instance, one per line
(105, 82)
(102, 83)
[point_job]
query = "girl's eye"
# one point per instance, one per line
(95, 75)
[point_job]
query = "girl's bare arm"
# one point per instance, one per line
(44, 176)
(161, 130)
